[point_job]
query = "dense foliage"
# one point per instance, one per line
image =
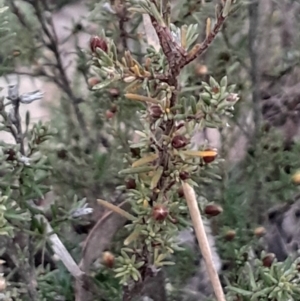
(110, 123)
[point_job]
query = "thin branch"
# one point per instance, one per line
(60, 250)
(199, 49)
(192, 203)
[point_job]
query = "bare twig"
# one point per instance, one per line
(191, 200)
(61, 251)
(199, 49)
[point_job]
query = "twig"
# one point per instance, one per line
(191, 200)
(60, 250)
(199, 49)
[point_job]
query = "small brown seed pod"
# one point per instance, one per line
(159, 212)
(268, 260)
(230, 235)
(98, 42)
(179, 141)
(213, 210)
(108, 259)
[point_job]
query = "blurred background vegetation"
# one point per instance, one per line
(86, 133)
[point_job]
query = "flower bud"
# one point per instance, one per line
(130, 183)
(156, 111)
(259, 231)
(268, 260)
(114, 92)
(213, 210)
(180, 192)
(113, 108)
(179, 141)
(98, 42)
(184, 175)
(296, 177)
(92, 81)
(109, 114)
(209, 159)
(230, 235)
(108, 259)
(159, 212)
(201, 70)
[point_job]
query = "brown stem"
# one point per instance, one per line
(199, 49)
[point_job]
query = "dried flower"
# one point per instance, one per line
(179, 141)
(213, 210)
(98, 42)
(268, 260)
(209, 159)
(108, 259)
(159, 212)
(156, 111)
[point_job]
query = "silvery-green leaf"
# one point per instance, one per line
(30, 97)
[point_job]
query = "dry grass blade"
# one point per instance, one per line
(191, 200)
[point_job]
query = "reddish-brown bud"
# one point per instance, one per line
(109, 114)
(209, 159)
(201, 70)
(213, 210)
(230, 235)
(62, 154)
(259, 231)
(114, 92)
(179, 141)
(114, 108)
(184, 175)
(98, 42)
(156, 111)
(92, 81)
(108, 259)
(130, 183)
(268, 260)
(159, 212)
(11, 154)
(180, 192)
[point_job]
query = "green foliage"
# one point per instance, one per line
(90, 153)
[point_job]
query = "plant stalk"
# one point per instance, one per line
(191, 200)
